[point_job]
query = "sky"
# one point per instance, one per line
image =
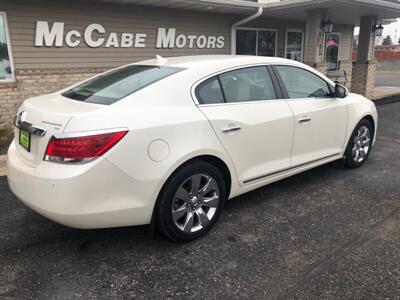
(393, 30)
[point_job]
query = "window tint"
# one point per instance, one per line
(117, 84)
(210, 92)
(5, 64)
(249, 84)
(302, 83)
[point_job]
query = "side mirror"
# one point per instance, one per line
(341, 91)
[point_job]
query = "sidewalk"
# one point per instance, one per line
(386, 92)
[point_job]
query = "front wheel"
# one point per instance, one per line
(191, 202)
(360, 144)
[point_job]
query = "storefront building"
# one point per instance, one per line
(47, 45)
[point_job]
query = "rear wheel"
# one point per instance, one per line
(360, 144)
(191, 202)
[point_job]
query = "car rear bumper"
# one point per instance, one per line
(93, 195)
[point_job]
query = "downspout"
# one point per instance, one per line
(241, 22)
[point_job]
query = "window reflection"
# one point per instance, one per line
(5, 65)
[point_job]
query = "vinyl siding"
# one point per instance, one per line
(22, 17)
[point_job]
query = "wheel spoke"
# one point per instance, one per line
(208, 187)
(364, 132)
(188, 225)
(365, 142)
(196, 180)
(211, 201)
(182, 194)
(362, 153)
(357, 155)
(180, 212)
(203, 218)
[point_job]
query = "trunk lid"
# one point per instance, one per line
(51, 113)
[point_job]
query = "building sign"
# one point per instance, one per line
(95, 35)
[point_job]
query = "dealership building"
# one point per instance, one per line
(47, 45)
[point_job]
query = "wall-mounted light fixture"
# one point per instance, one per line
(327, 25)
(378, 30)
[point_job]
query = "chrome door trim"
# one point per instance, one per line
(289, 169)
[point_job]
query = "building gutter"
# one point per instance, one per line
(241, 22)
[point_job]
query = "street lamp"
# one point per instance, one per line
(379, 30)
(327, 24)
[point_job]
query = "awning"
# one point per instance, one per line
(220, 6)
(342, 11)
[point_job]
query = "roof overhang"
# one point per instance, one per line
(219, 6)
(342, 11)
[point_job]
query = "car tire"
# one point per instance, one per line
(359, 146)
(190, 202)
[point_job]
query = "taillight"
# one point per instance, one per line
(82, 148)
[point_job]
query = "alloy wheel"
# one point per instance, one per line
(361, 144)
(195, 203)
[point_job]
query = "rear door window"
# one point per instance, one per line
(242, 85)
(115, 85)
(248, 84)
(209, 92)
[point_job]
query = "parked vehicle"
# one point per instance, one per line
(168, 141)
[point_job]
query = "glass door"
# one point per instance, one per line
(332, 43)
(294, 44)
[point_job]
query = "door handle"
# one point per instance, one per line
(231, 129)
(304, 120)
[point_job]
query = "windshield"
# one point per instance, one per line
(115, 85)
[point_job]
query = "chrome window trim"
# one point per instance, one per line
(198, 82)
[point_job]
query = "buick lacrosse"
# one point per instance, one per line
(168, 141)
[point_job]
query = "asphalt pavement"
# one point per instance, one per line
(329, 233)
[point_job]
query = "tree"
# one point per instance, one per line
(387, 41)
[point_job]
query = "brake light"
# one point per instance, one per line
(81, 148)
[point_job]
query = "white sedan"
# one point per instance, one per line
(168, 141)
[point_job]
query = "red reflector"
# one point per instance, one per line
(82, 147)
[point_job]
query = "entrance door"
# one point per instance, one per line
(294, 44)
(332, 43)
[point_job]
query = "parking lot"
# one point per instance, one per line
(329, 233)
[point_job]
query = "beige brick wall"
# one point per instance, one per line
(8, 103)
(37, 82)
(363, 81)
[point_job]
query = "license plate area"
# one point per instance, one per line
(25, 140)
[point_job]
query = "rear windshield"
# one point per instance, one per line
(115, 85)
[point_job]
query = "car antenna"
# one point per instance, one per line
(161, 60)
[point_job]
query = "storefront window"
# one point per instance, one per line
(332, 41)
(256, 42)
(294, 45)
(5, 61)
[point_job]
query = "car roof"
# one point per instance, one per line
(213, 60)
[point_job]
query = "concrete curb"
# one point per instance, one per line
(388, 99)
(3, 165)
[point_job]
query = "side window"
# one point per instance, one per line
(302, 83)
(249, 84)
(209, 92)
